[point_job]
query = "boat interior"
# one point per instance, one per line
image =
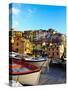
(21, 67)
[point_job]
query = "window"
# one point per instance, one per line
(16, 49)
(17, 43)
(49, 49)
(57, 53)
(53, 54)
(17, 38)
(57, 48)
(53, 49)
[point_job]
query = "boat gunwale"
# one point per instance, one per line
(34, 61)
(25, 73)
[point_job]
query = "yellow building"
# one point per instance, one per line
(27, 46)
(19, 44)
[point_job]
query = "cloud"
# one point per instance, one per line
(14, 10)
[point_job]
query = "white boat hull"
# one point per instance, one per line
(40, 63)
(29, 79)
(44, 65)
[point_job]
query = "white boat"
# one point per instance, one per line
(26, 57)
(39, 61)
(15, 55)
(24, 72)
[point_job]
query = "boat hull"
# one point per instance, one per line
(44, 65)
(39, 63)
(28, 79)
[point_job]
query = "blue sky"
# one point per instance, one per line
(34, 17)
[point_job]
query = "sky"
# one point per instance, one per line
(34, 17)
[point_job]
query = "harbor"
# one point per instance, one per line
(28, 74)
(35, 61)
(56, 75)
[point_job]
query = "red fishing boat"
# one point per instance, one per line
(24, 72)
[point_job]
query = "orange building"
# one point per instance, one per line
(55, 51)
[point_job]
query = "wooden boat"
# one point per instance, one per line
(15, 55)
(24, 72)
(39, 61)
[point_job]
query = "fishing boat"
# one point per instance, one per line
(15, 55)
(38, 61)
(24, 72)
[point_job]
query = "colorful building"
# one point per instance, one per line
(49, 41)
(18, 43)
(55, 51)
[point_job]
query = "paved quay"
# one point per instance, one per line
(56, 75)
